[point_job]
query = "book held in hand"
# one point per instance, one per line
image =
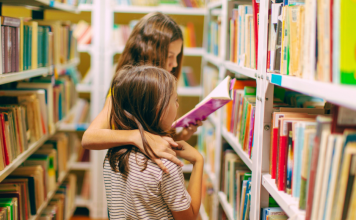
(215, 100)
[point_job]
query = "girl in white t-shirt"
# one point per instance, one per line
(145, 98)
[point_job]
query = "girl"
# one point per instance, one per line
(156, 40)
(145, 98)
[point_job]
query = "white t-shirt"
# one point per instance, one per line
(148, 194)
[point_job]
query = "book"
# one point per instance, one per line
(215, 100)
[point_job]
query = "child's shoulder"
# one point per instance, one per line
(171, 166)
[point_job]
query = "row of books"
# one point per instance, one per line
(29, 44)
(214, 34)
(273, 213)
(242, 37)
(29, 186)
(80, 113)
(318, 152)
(294, 42)
(185, 3)
(240, 113)
(83, 32)
(30, 112)
(187, 78)
(189, 35)
(236, 183)
(63, 202)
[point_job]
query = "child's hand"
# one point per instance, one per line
(189, 153)
(187, 132)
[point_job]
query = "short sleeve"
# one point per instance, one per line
(172, 188)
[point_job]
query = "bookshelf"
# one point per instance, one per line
(337, 94)
(82, 202)
(288, 204)
(190, 91)
(203, 214)
(40, 5)
(262, 185)
(194, 52)
(81, 166)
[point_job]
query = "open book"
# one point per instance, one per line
(215, 100)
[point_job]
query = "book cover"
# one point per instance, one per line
(215, 100)
(256, 10)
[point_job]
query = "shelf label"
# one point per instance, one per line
(81, 127)
(276, 79)
(51, 3)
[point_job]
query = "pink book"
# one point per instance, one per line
(215, 100)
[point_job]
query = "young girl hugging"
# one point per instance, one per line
(145, 98)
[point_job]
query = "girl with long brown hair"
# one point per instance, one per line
(145, 98)
(156, 40)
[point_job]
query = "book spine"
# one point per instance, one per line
(274, 152)
(29, 51)
(282, 163)
(13, 52)
(290, 160)
(256, 9)
(6, 150)
(3, 58)
(18, 49)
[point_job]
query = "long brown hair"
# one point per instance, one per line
(140, 96)
(149, 42)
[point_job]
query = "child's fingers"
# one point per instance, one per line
(170, 151)
(160, 165)
(199, 123)
(170, 141)
(170, 157)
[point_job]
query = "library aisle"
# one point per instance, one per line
(283, 147)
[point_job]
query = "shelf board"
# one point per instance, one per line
(335, 93)
(85, 7)
(83, 88)
(13, 77)
(71, 212)
(233, 67)
(84, 48)
(215, 4)
(193, 51)
(79, 202)
(190, 91)
(232, 140)
(215, 60)
(187, 168)
(172, 10)
(286, 202)
(226, 206)
(202, 212)
(22, 157)
(81, 166)
(73, 127)
(46, 4)
(188, 51)
(50, 195)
